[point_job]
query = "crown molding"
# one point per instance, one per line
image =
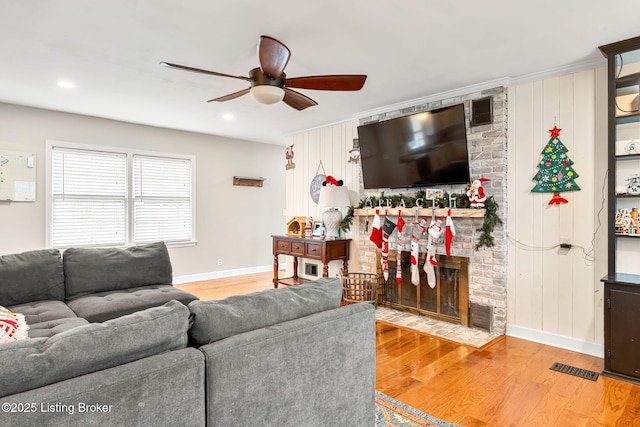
(556, 72)
(466, 90)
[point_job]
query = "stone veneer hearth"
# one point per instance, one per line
(487, 146)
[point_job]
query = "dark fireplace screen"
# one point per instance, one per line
(448, 300)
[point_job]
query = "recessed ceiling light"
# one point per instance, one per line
(228, 116)
(66, 84)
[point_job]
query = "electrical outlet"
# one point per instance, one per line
(565, 241)
(219, 261)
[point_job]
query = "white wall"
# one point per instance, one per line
(330, 145)
(555, 293)
(233, 223)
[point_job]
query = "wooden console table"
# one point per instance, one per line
(323, 250)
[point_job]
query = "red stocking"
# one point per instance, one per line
(376, 231)
(449, 232)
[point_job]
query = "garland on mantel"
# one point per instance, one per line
(491, 218)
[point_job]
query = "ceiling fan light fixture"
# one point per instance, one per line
(267, 94)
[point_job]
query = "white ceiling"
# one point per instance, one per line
(408, 48)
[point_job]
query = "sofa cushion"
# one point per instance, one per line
(47, 318)
(50, 328)
(215, 320)
(90, 270)
(28, 364)
(31, 276)
(103, 306)
(43, 311)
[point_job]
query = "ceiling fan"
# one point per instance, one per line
(269, 83)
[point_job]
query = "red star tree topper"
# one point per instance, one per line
(555, 174)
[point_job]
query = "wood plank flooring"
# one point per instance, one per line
(506, 383)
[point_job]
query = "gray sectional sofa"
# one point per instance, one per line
(112, 342)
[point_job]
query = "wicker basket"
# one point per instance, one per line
(360, 287)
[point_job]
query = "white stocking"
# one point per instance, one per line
(417, 231)
(435, 232)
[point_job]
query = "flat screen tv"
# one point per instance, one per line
(419, 150)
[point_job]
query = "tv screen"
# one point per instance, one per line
(419, 150)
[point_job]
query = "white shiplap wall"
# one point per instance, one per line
(331, 145)
(555, 294)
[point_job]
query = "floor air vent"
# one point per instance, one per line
(572, 370)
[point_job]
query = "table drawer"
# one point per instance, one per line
(297, 248)
(283, 246)
(314, 250)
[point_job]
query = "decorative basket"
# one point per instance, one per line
(360, 287)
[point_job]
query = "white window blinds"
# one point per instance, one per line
(109, 198)
(89, 198)
(162, 199)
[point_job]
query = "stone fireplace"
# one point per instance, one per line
(487, 266)
(448, 300)
(483, 269)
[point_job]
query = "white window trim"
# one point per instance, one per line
(50, 144)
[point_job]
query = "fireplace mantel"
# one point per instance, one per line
(455, 212)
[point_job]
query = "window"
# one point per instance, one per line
(162, 199)
(101, 196)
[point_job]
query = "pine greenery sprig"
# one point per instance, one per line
(345, 224)
(491, 219)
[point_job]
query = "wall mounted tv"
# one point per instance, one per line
(419, 150)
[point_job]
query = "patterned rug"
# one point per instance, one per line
(393, 413)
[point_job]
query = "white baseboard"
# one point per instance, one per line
(219, 274)
(555, 340)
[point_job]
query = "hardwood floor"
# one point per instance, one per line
(506, 383)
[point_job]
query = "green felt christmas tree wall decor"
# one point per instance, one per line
(555, 170)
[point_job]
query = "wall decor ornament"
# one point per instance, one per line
(289, 157)
(555, 170)
(354, 153)
(316, 183)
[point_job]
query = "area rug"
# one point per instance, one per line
(449, 331)
(393, 413)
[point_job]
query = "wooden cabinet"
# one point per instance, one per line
(320, 249)
(622, 327)
(622, 283)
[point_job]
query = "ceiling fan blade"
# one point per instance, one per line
(297, 100)
(329, 82)
(198, 70)
(231, 96)
(273, 56)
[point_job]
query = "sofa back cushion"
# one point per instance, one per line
(36, 362)
(31, 276)
(215, 320)
(91, 270)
